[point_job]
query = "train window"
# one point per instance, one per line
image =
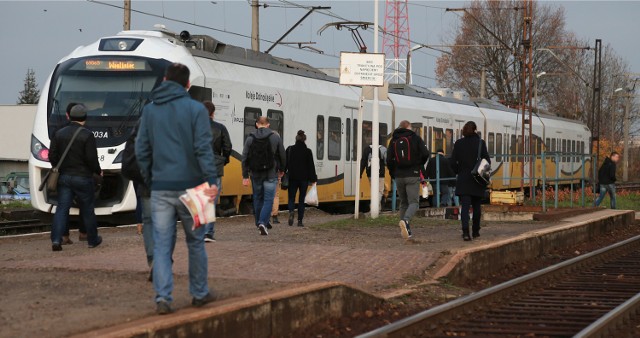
(320, 138)
(438, 139)
(498, 147)
(416, 127)
(366, 134)
(573, 150)
(448, 142)
(553, 144)
(348, 142)
(334, 138)
(547, 144)
(250, 117)
(276, 120)
(512, 149)
(425, 134)
(564, 150)
(384, 133)
(354, 148)
(491, 145)
(581, 151)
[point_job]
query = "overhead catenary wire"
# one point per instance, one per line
(204, 26)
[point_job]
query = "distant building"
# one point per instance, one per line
(16, 124)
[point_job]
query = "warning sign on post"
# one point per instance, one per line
(362, 69)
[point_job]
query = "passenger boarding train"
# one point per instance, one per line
(115, 75)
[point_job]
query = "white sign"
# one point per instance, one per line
(362, 69)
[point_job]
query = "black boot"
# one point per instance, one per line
(275, 220)
(291, 215)
(465, 235)
(300, 223)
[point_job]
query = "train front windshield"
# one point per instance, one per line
(114, 89)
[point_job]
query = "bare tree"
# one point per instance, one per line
(501, 57)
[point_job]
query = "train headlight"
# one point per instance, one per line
(38, 150)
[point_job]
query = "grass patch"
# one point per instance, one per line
(624, 201)
(14, 204)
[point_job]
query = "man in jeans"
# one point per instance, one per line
(173, 149)
(406, 155)
(262, 157)
(607, 179)
(222, 150)
(76, 176)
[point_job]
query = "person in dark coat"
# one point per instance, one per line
(406, 156)
(607, 179)
(302, 171)
(222, 150)
(463, 160)
(445, 172)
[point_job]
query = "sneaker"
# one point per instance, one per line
(163, 308)
(82, 237)
(66, 240)
(300, 223)
(275, 220)
(466, 237)
(291, 215)
(263, 230)
(204, 300)
(269, 226)
(209, 238)
(405, 231)
(97, 242)
(56, 247)
(476, 234)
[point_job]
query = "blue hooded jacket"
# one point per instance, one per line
(173, 146)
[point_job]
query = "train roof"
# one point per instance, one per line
(208, 47)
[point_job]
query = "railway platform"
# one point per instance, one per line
(104, 291)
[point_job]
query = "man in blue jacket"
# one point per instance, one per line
(173, 149)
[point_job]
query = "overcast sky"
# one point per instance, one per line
(37, 34)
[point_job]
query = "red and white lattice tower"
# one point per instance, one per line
(395, 43)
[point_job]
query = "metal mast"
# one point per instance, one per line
(395, 43)
(525, 90)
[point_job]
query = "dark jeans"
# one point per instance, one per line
(468, 201)
(82, 188)
(264, 190)
(294, 187)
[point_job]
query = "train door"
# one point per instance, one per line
(351, 173)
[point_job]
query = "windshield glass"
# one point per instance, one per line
(114, 89)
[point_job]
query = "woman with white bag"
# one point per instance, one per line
(301, 171)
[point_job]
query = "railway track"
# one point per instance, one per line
(24, 226)
(594, 295)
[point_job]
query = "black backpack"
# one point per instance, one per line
(402, 148)
(260, 155)
(130, 168)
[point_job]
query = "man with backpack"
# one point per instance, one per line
(365, 165)
(406, 155)
(222, 150)
(262, 155)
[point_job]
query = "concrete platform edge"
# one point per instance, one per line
(273, 314)
(481, 261)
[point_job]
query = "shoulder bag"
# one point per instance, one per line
(51, 179)
(482, 170)
(285, 178)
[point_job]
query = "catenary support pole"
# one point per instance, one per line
(375, 132)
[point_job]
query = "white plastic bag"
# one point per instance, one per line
(312, 196)
(427, 190)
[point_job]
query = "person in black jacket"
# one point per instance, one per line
(463, 160)
(445, 172)
(222, 150)
(76, 176)
(607, 179)
(365, 166)
(302, 171)
(406, 156)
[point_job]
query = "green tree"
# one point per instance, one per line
(30, 94)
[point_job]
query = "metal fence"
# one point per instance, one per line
(573, 162)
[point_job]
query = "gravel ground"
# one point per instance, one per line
(49, 294)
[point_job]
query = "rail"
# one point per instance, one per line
(440, 320)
